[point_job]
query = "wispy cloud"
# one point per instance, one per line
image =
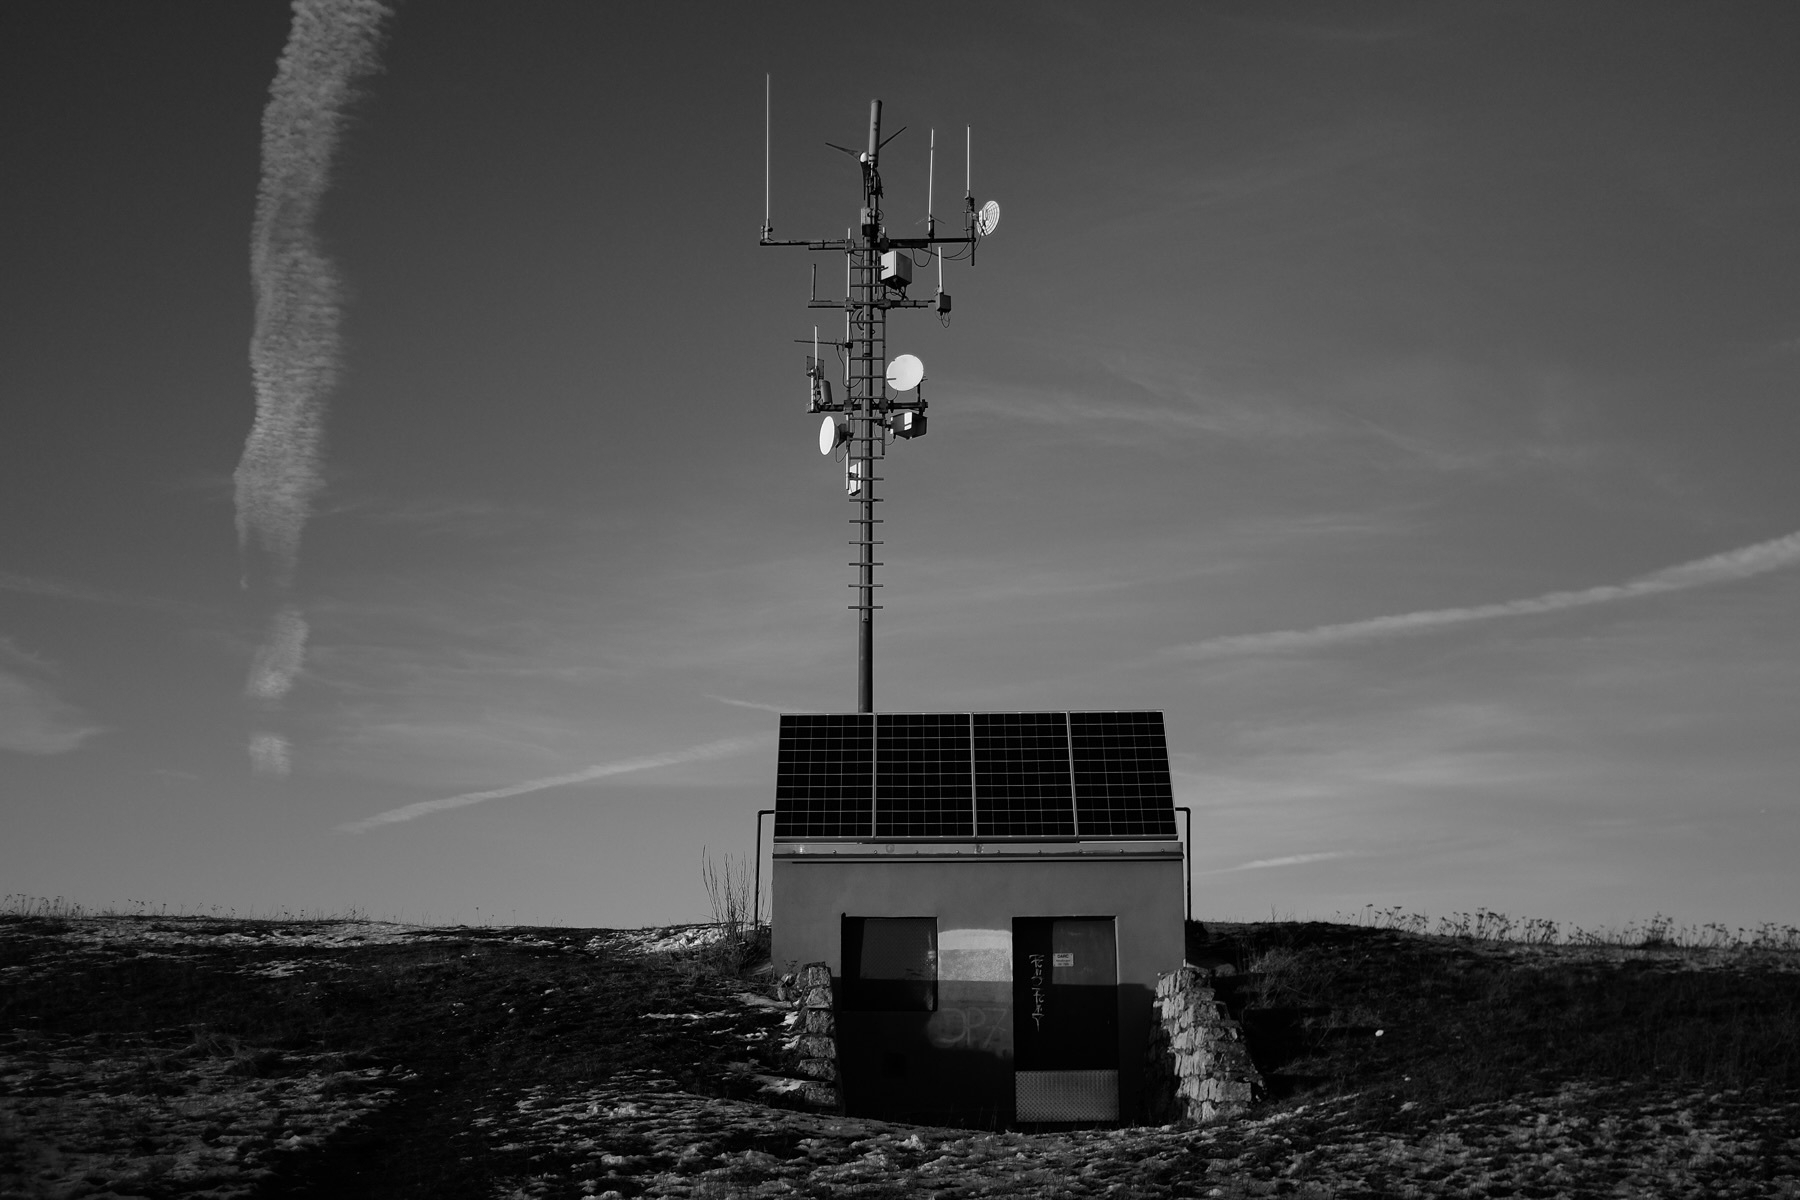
(294, 351)
(773, 708)
(1130, 420)
(1290, 860)
(444, 515)
(34, 719)
(278, 659)
(61, 589)
(269, 754)
(424, 808)
(1743, 563)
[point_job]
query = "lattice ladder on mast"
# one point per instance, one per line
(865, 329)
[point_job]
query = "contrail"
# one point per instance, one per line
(269, 753)
(1742, 563)
(278, 659)
(294, 350)
(426, 807)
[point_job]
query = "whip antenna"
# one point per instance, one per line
(768, 87)
(930, 183)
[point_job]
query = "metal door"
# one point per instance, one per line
(1065, 1019)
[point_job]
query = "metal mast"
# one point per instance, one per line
(878, 271)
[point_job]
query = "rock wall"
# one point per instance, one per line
(814, 1044)
(1197, 1066)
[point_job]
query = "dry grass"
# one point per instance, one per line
(1485, 925)
(1447, 1020)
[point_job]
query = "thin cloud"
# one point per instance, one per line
(34, 719)
(1743, 563)
(1291, 860)
(424, 808)
(59, 589)
(278, 659)
(773, 708)
(270, 754)
(1128, 420)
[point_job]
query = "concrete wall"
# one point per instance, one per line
(962, 1066)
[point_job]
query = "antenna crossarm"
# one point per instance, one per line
(838, 244)
(847, 244)
(922, 243)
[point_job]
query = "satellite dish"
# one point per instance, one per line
(831, 435)
(988, 218)
(904, 373)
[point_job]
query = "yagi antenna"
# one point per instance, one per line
(883, 398)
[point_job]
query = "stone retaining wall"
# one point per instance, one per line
(1197, 1067)
(814, 1044)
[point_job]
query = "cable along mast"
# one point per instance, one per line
(882, 398)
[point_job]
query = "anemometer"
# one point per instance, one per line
(883, 398)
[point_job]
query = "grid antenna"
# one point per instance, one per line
(878, 270)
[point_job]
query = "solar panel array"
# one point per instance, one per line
(973, 775)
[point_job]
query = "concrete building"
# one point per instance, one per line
(995, 895)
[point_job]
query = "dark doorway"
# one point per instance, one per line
(1065, 1019)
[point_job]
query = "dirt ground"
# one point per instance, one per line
(189, 1057)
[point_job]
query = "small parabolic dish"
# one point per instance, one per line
(828, 436)
(988, 219)
(904, 373)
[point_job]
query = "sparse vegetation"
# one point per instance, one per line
(1450, 1019)
(1484, 925)
(740, 942)
(19, 904)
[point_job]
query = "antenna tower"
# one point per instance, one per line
(878, 270)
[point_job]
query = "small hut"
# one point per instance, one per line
(995, 895)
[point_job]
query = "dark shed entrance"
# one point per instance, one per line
(1065, 1019)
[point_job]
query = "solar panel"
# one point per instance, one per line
(973, 775)
(1022, 786)
(922, 783)
(824, 772)
(1121, 765)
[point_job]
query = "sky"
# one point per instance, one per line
(410, 505)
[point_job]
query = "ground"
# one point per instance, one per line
(182, 1057)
